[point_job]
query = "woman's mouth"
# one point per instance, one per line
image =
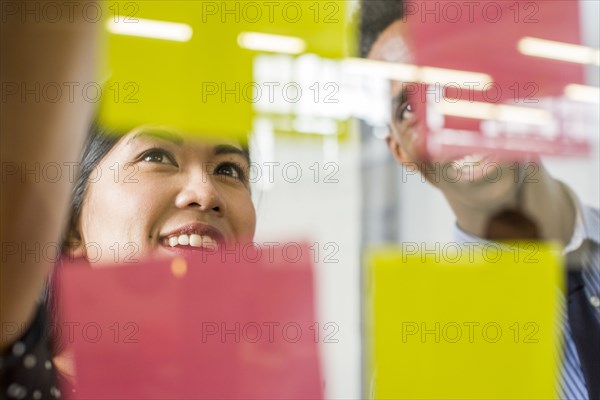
(193, 237)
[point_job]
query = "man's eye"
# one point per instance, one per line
(405, 111)
(159, 156)
(230, 169)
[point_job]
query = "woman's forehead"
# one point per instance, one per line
(176, 137)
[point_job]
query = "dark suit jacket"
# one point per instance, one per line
(586, 332)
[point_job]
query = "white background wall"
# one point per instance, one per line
(327, 214)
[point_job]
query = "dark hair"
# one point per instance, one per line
(375, 17)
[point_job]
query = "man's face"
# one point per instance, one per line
(478, 180)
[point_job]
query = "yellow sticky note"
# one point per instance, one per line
(478, 322)
(168, 67)
(188, 64)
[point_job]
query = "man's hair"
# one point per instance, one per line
(375, 17)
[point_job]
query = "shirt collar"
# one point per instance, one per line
(587, 224)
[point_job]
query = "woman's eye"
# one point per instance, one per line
(230, 169)
(158, 156)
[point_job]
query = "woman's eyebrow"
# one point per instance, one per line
(229, 149)
(158, 134)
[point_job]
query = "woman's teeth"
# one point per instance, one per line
(193, 240)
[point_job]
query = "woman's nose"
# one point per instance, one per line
(199, 191)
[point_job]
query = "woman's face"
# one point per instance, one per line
(157, 193)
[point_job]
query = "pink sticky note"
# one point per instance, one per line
(213, 326)
(496, 78)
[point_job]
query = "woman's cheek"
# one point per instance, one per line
(249, 221)
(112, 210)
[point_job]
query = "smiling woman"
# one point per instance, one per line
(173, 195)
(149, 193)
